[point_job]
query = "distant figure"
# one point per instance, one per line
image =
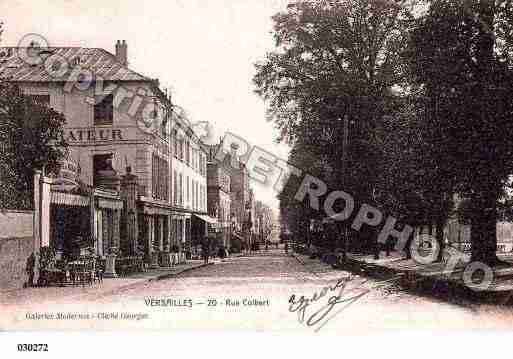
(205, 249)
(286, 247)
(221, 252)
(31, 263)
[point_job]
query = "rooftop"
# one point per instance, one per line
(100, 62)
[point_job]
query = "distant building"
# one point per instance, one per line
(241, 195)
(189, 186)
(219, 201)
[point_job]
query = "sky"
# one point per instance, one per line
(202, 50)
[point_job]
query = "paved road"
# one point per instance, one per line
(253, 293)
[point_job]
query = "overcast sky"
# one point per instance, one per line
(203, 50)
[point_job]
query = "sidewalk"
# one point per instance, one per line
(97, 290)
(167, 272)
(412, 272)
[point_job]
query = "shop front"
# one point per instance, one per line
(206, 227)
(70, 224)
(107, 221)
(182, 246)
(154, 233)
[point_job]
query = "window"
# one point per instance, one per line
(188, 153)
(180, 148)
(40, 99)
(103, 110)
(188, 189)
(175, 143)
(101, 163)
(197, 196)
(175, 188)
(180, 189)
(193, 204)
(202, 196)
(160, 178)
(203, 165)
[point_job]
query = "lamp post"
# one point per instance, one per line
(345, 140)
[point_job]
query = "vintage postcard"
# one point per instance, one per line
(302, 167)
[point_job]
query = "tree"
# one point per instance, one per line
(415, 184)
(297, 214)
(31, 137)
(461, 58)
(335, 59)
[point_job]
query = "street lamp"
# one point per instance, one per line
(345, 140)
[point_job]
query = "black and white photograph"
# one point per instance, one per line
(304, 167)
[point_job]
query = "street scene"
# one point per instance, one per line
(268, 277)
(307, 166)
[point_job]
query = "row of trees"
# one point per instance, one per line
(425, 87)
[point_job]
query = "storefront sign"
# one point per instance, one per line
(93, 135)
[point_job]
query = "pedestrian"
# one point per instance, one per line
(221, 252)
(205, 249)
(286, 247)
(31, 263)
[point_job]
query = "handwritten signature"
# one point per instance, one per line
(335, 294)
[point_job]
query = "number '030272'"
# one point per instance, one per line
(32, 347)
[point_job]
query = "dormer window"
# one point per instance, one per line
(76, 61)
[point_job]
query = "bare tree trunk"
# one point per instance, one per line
(485, 192)
(439, 233)
(483, 235)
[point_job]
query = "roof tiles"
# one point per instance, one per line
(100, 62)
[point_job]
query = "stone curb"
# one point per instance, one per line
(415, 276)
(174, 274)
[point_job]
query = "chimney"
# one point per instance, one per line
(122, 52)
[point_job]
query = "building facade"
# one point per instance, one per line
(141, 172)
(219, 202)
(241, 195)
(189, 187)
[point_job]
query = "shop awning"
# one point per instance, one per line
(205, 218)
(68, 199)
(155, 211)
(110, 203)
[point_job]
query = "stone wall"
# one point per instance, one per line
(16, 245)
